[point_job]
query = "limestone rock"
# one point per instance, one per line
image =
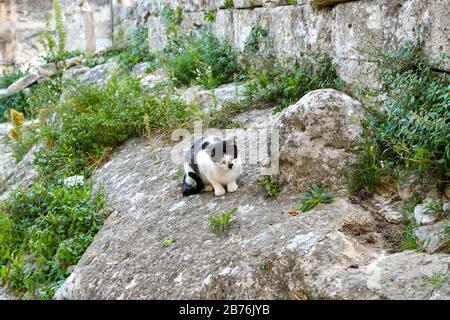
(274, 3)
(99, 74)
(318, 4)
(22, 175)
(7, 161)
(72, 62)
(423, 215)
(433, 237)
(414, 185)
(140, 70)
(23, 82)
(46, 70)
(318, 139)
(215, 98)
(155, 78)
(333, 251)
(4, 92)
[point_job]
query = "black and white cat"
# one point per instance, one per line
(211, 164)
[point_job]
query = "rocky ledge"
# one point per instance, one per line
(335, 251)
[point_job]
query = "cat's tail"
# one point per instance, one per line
(189, 190)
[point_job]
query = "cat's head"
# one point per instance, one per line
(223, 153)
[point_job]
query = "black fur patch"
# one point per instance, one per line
(189, 190)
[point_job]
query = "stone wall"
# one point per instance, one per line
(337, 29)
(88, 25)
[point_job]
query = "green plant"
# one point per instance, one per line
(228, 4)
(44, 229)
(94, 119)
(136, 51)
(219, 223)
(409, 239)
(24, 137)
(55, 47)
(262, 265)
(411, 129)
(203, 60)
(275, 82)
(272, 187)
(317, 195)
(367, 171)
(437, 280)
(17, 101)
(168, 242)
(8, 77)
(172, 19)
(292, 2)
(210, 15)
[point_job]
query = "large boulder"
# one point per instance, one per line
(318, 140)
(333, 251)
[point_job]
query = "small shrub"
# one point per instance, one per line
(209, 16)
(272, 187)
(317, 195)
(204, 60)
(219, 223)
(45, 230)
(55, 46)
(8, 77)
(137, 51)
(411, 129)
(94, 119)
(172, 19)
(228, 4)
(17, 101)
(280, 83)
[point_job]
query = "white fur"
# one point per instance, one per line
(217, 174)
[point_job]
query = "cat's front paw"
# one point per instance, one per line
(232, 187)
(219, 192)
(209, 188)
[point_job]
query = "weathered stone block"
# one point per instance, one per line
(319, 136)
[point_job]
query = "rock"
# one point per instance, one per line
(75, 72)
(22, 175)
(414, 185)
(7, 161)
(98, 75)
(308, 256)
(336, 31)
(6, 294)
(4, 92)
(46, 70)
(389, 209)
(153, 79)
(74, 181)
(140, 70)
(247, 4)
(423, 215)
(446, 208)
(433, 237)
(274, 3)
(23, 82)
(215, 98)
(72, 62)
(319, 136)
(319, 4)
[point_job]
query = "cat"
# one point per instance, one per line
(211, 164)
